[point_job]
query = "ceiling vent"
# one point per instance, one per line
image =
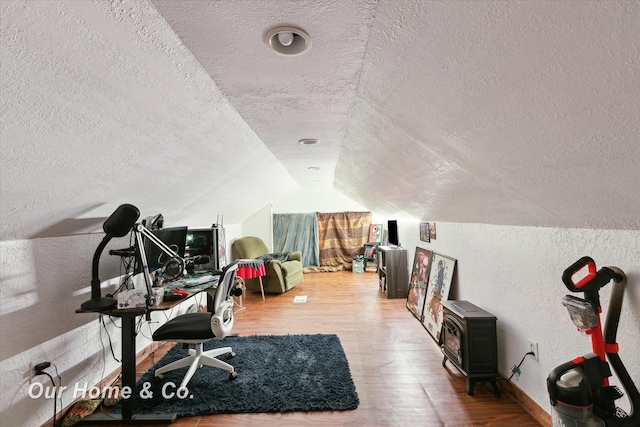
(288, 41)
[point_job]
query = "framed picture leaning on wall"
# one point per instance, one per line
(418, 282)
(375, 233)
(440, 278)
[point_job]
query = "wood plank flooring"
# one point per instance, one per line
(395, 364)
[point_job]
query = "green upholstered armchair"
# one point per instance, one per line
(280, 275)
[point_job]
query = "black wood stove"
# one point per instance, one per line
(468, 340)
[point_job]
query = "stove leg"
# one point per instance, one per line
(470, 384)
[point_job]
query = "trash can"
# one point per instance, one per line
(357, 265)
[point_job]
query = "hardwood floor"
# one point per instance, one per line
(395, 364)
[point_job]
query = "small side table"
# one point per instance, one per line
(250, 268)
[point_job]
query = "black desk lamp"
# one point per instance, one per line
(117, 225)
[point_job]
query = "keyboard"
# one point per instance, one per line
(190, 282)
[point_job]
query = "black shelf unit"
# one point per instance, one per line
(370, 254)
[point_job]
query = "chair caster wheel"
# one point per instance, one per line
(233, 375)
(232, 354)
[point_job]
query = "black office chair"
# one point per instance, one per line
(198, 328)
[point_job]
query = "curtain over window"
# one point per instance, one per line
(342, 236)
(297, 232)
(328, 241)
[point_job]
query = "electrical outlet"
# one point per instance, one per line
(533, 348)
(32, 371)
(33, 367)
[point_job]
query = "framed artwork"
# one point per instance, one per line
(375, 233)
(432, 230)
(440, 278)
(425, 232)
(418, 282)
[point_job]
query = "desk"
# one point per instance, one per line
(128, 359)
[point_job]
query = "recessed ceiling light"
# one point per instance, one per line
(314, 168)
(288, 41)
(308, 141)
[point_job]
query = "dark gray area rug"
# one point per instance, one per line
(275, 374)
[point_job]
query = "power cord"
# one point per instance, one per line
(104, 326)
(515, 370)
(39, 369)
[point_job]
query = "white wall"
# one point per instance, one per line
(515, 274)
(43, 282)
(260, 224)
(320, 199)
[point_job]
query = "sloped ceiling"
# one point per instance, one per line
(520, 113)
(515, 113)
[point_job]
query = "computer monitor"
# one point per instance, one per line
(392, 225)
(174, 237)
(202, 242)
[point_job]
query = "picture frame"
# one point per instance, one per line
(432, 230)
(375, 233)
(419, 281)
(425, 234)
(440, 279)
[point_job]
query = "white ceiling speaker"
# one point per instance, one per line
(288, 41)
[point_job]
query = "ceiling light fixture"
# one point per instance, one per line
(308, 141)
(288, 41)
(285, 38)
(314, 168)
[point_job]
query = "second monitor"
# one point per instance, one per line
(174, 237)
(203, 242)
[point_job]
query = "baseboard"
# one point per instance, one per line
(108, 380)
(527, 403)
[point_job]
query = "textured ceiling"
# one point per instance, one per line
(520, 113)
(283, 99)
(515, 113)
